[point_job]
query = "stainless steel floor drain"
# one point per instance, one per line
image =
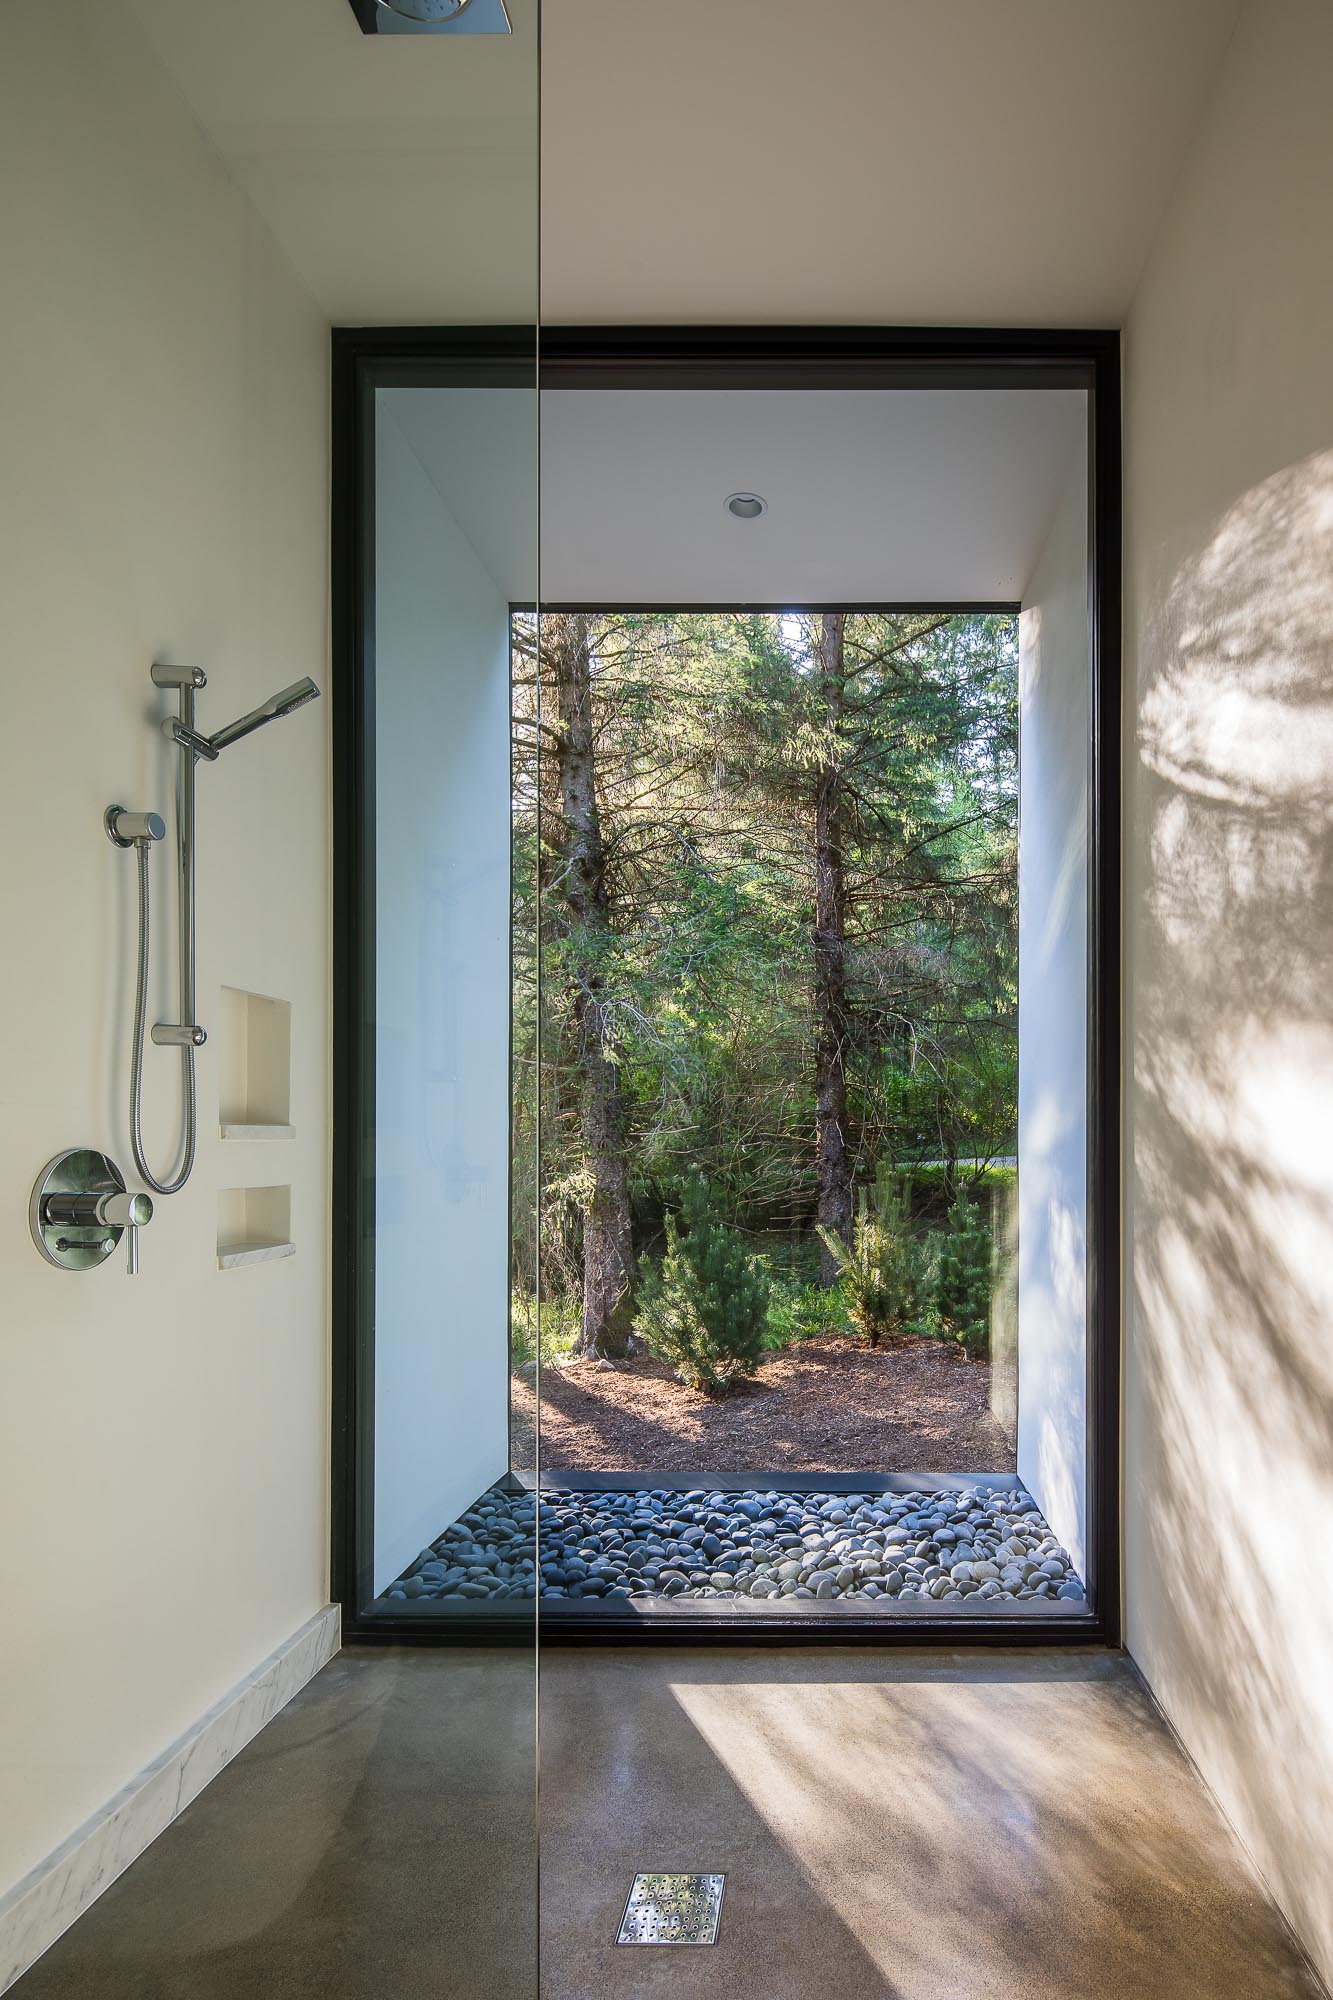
(673, 1909)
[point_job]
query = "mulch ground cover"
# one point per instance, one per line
(828, 1405)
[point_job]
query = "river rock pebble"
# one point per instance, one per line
(987, 1546)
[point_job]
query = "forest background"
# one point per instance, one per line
(764, 966)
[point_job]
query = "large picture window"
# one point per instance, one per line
(728, 913)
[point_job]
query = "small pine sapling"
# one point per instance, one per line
(877, 1270)
(963, 1277)
(705, 1308)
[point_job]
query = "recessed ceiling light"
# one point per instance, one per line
(746, 506)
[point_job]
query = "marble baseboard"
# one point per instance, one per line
(46, 1902)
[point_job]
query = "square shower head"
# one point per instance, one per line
(432, 17)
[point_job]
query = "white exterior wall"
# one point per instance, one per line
(163, 1440)
(1053, 1022)
(442, 1026)
(1229, 945)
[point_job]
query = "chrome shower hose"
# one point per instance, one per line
(136, 1057)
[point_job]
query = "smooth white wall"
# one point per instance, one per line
(442, 1012)
(1053, 1021)
(1229, 1365)
(163, 1459)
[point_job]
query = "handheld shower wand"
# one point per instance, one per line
(282, 703)
(178, 731)
(139, 830)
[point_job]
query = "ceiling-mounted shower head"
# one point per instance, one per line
(282, 703)
(432, 17)
(426, 10)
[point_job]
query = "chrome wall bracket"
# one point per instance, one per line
(80, 1209)
(124, 828)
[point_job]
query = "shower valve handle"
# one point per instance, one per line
(83, 1191)
(129, 1212)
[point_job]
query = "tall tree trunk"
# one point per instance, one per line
(833, 1162)
(607, 1246)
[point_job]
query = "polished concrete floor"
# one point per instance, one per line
(910, 1826)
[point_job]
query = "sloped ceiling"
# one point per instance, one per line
(960, 162)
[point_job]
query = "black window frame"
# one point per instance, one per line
(367, 358)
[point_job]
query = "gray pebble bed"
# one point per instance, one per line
(987, 1543)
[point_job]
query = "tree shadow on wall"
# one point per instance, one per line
(1229, 1422)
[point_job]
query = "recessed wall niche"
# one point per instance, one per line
(254, 1226)
(255, 1085)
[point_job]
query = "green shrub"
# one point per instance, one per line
(962, 1286)
(933, 1177)
(705, 1308)
(806, 1312)
(925, 1322)
(877, 1272)
(560, 1320)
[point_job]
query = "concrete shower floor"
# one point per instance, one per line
(910, 1826)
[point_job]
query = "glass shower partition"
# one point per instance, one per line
(435, 1530)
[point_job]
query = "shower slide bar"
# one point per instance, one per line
(140, 831)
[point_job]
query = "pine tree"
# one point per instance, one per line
(705, 1309)
(877, 1272)
(580, 891)
(765, 926)
(963, 1285)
